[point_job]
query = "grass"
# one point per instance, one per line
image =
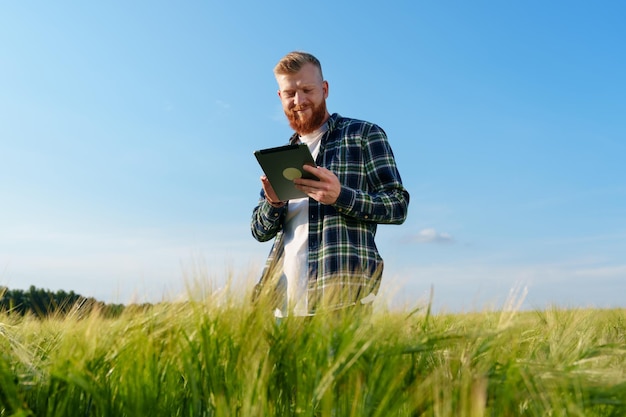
(221, 356)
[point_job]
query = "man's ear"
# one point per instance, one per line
(325, 88)
(278, 92)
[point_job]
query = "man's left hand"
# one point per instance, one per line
(326, 190)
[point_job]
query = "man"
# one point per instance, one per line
(324, 253)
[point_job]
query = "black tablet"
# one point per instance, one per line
(282, 165)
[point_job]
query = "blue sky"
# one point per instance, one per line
(127, 131)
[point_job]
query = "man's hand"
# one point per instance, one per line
(270, 194)
(326, 190)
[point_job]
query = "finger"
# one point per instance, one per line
(268, 189)
(312, 170)
(308, 183)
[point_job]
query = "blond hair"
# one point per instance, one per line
(294, 61)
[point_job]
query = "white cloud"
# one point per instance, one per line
(617, 271)
(431, 235)
(222, 104)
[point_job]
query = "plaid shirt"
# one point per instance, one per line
(344, 263)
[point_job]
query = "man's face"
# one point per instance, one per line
(303, 96)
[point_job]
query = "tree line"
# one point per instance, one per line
(44, 303)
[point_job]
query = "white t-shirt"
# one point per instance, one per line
(296, 235)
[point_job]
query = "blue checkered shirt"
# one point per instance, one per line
(344, 264)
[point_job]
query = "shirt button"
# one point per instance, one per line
(275, 214)
(366, 216)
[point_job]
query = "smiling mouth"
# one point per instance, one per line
(299, 114)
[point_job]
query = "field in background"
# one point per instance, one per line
(221, 356)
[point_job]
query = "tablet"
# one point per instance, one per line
(282, 165)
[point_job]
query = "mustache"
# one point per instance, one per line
(298, 108)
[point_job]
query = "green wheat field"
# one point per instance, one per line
(220, 355)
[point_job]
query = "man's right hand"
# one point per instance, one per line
(270, 194)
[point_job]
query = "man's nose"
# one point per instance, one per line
(298, 98)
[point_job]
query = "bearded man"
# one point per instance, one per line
(324, 254)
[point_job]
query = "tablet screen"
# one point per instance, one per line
(282, 165)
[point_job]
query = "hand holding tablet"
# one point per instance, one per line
(282, 165)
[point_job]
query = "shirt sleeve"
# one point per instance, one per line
(266, 220)
(384, 199)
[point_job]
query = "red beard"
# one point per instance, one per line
(304, 126)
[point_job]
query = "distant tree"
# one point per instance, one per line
(43, 303)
